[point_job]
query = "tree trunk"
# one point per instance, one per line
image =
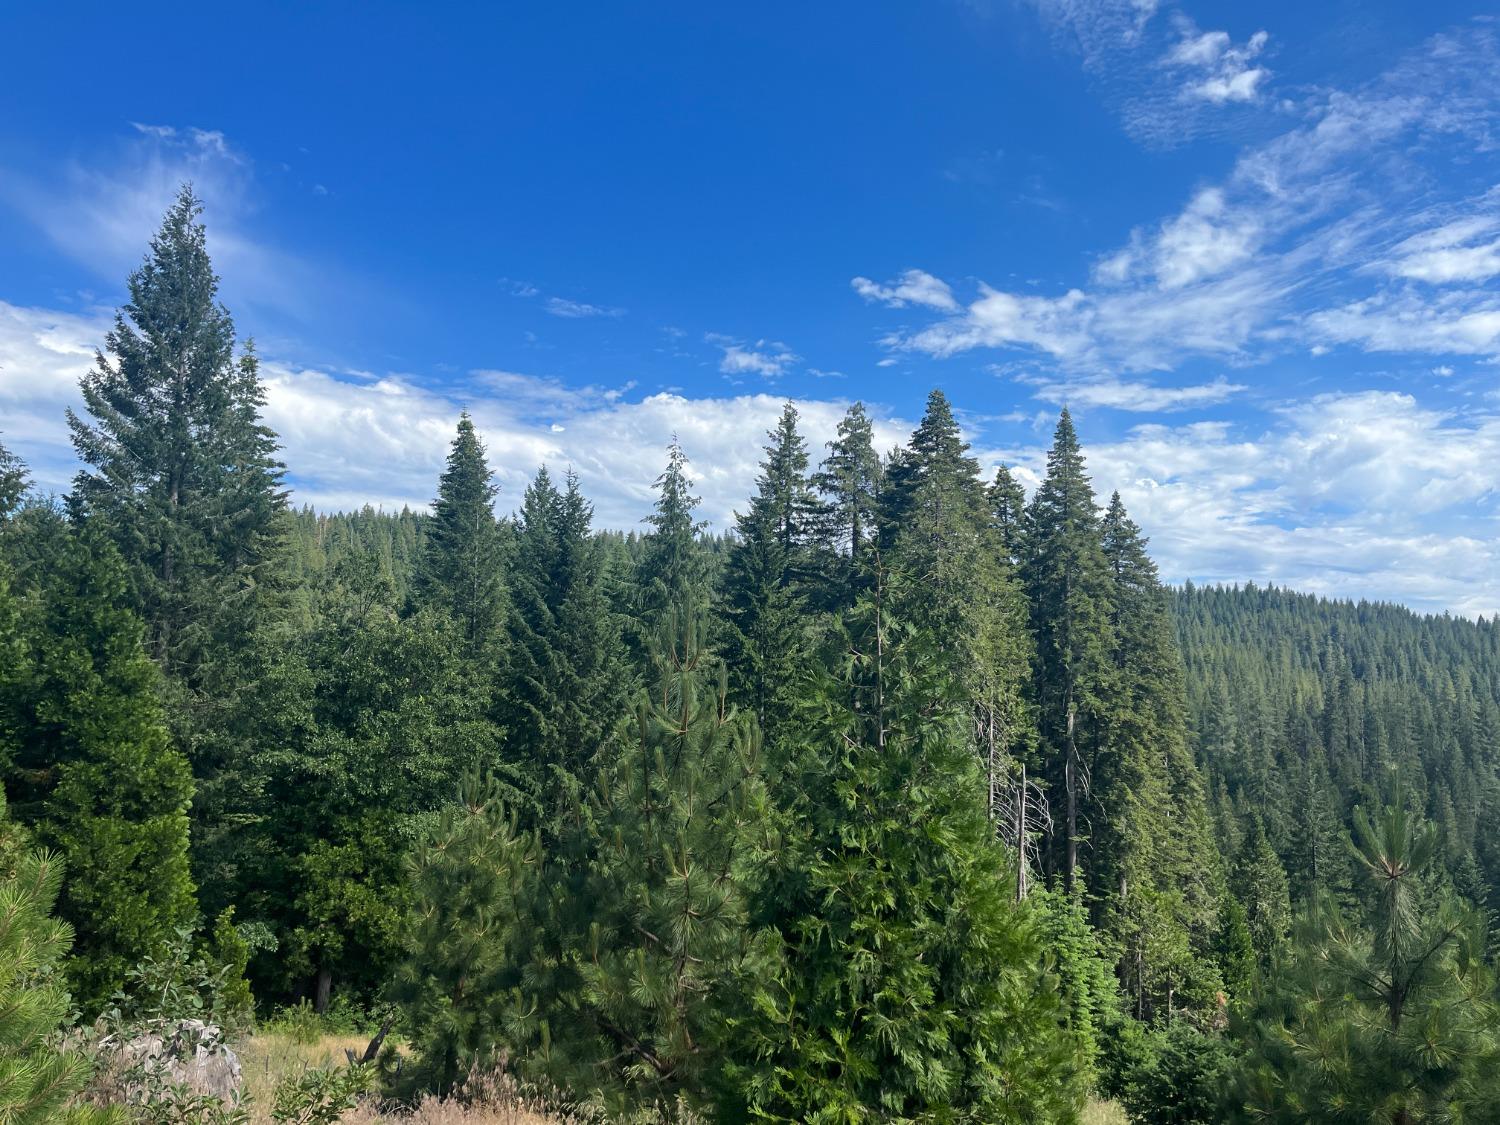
(322, 991)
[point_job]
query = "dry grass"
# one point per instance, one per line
(1104, 1113)
(268, 1058)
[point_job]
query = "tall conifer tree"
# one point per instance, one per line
(1068, 581)
(462, 569)
(849, 481)
(566, 675)
(180, 470)
(671, 574)
(767, 579)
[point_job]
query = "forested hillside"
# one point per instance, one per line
(912, 797)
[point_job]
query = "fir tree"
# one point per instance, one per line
(1069, 585)
(1260, 887)
(463, 563)
(92, 770)
(1154, 840)
(180, 471)
(567, 679)
(766, 582)
(1008, 508)
(849, 481)
(670, 574)
(14, 481)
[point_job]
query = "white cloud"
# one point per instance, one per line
(103, 215)
(1224, 71)
(1359, 495)
(767, 358)
(1466, 249)
(914, 287)
(1120, 394)
(1288, 251)
(577, 310)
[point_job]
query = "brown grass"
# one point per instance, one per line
(268, 1058)
(1104, 1113)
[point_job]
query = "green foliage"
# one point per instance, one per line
(474, 886)
(671, 575)
(229, 951)
(92, 771)
(911, 987)
(320, 1095)
(642, 949)
(39, 1076)
(181, 473)
(566, 675)
(1394, 1018)
(1178, 1077)
(462, 567)
(766, 583)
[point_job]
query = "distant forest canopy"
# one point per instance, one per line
(911, 798)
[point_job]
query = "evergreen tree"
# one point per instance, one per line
(912, 985)
(1155, 860)
(566, 674)
(671, 575)
(180, 471)
(1008, 508)
(463, 563)
(385, 715)
(1394, 1020)
(91, 769)
(1259, 885)
(849, 481)
(14, 481)
(39, 1077)
(1068, 581)
(473, 888)
(655, 951)
(766, 582)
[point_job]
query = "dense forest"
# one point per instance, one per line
(909, 798)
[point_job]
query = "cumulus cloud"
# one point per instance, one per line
(914, 287)
(1220, 71)
(1360, 495)
(768, 358)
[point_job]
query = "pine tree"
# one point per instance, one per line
(463, 563)
(766, 582)
(39, 1077)
(1068, 581)
(671, 575)
(567, 679)
(656, 951)
(181, 472)
(912, 986)
(1394, 1020)
(92, 770)
(474, 888)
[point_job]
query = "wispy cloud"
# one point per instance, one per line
(1314, 239)
(579, 310)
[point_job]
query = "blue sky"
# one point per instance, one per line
(1255, 247)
